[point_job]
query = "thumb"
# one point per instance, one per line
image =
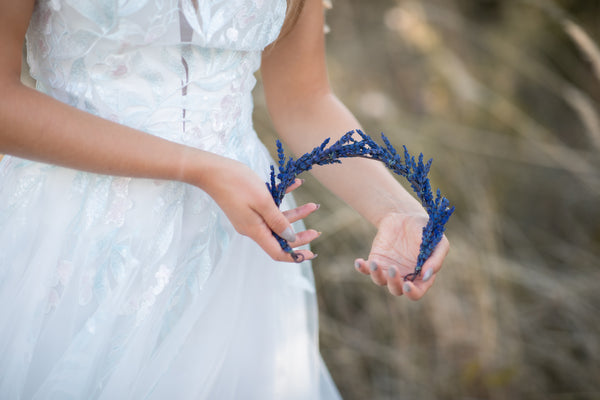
(279, 224)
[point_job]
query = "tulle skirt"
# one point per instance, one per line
(119, 288)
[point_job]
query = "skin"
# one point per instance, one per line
(304, 112)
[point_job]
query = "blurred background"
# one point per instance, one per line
(505, 97)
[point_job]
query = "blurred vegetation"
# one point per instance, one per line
(504, 95)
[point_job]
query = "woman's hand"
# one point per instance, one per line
(394, 254)
(246, 201)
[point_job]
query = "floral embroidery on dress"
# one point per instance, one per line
(60, 280)
(120, 203)
(162, 276)
(192, 85)
(131, 271)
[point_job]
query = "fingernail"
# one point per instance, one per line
(289, 234)
(373, 266)
(406, 288)
(427, 275)
(392, 272)
(315, 256)
(356, 265)
(318, 206)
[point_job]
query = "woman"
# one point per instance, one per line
(136, 255)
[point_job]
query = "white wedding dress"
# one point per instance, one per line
(121, 288)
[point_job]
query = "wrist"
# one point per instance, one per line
(413, 213)
(209, 171)
(196, 167)
(398, 203)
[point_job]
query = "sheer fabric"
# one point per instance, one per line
(113, 287)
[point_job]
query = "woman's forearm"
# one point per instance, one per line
(35, 126)
(356, 181)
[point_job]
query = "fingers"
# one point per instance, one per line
(277, 221)
(377, 273)
(389, 276)
(244, 198)
(415, 290)
(361, 266)
(297, 183)
(304, 238)
(271, 246)
(435, 260)
(280, 223)
(301, 212)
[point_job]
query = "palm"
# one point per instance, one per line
(397, 242)
(394, 255)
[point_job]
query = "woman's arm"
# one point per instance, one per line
(305, 112)
(38, 127)
(35, 126)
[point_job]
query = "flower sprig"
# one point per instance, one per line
(414, 170)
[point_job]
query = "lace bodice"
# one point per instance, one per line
(180, 69)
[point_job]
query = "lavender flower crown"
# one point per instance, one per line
(348, 146)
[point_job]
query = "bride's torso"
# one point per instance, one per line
(179, 69)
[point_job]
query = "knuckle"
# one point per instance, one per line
(276, 220)
(264, 201)
(242, 230)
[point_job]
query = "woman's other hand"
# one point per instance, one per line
(394, 255)
(246, 201)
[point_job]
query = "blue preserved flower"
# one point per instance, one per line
(415, 171)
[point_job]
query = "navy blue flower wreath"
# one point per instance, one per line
(415, 171)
